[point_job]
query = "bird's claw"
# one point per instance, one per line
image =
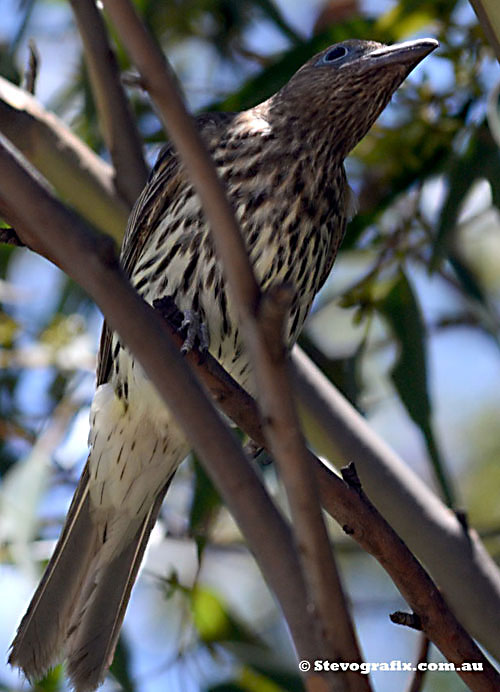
(196, 331)
(188, 323)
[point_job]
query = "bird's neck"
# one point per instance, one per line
(295, 146)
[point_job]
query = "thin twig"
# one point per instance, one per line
(286, 443)
(360, 520)
(115, 116)
(410, 620)
(158, 80)
(32, 69)
(350, 507)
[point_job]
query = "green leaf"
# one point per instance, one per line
(250, 680)
(410, 16)
(53, 681)
(467, 278)
(402, 24)
(343, 372)
(480, 160)
(8, 330)
(213, 620)
(261, 679)
(120, 668)
(409, 373)
(276, 678)
(206, 501)
(401, 310)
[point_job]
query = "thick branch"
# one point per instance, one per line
(90, 260)
(468, 576)
(115, 117)
(75, 171)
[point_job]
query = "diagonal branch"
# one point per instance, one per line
(287, 445)
(468, 576)
(351, 508)
(115, 116)
(76, 172)
(457, 559)
(335, 632)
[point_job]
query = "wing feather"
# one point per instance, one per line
(147, 211)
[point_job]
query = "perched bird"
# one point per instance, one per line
(282, 164)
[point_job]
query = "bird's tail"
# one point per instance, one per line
(78, 608)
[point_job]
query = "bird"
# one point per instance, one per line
(282, 165)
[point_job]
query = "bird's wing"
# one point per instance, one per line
(150, 206)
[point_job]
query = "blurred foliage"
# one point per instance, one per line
(414, 175)
(120, 668)
(213, 620)
(206, 502)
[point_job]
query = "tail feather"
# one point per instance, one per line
(41, 634)
(78, 608)
(98, 618)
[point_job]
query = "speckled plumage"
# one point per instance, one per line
(282, 163)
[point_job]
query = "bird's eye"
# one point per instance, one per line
(335, 54)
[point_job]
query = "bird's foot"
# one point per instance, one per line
(188, 323)
(196, 331)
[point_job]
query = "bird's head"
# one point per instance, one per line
(340, 92)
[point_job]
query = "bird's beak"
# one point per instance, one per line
(407, 54)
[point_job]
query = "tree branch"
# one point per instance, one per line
(487, 13)
(115, 117)
(76, 172)
(31, 71)
(418, 679)
(287, 445)
(457, 560)
(332, 425)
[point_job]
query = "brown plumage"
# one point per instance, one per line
(282, 163)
